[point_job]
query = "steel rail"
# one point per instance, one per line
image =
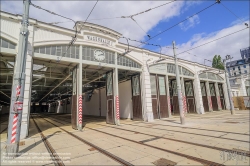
(106, 153)
(50, 149)
(203, 161)
(246, 153)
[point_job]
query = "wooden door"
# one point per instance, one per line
(213, 97)
(175, 102)
(222, 99)
(204, 97)
(136, 97)
(154, 96)
(162, 97)
(110, 98)
(73, 112)
(189, 90)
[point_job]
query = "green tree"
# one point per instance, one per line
(217, 62)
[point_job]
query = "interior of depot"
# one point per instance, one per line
(52, 87)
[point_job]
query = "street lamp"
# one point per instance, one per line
(228, 57)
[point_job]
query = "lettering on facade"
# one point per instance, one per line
(100, 40)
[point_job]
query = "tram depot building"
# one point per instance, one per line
(96, 78)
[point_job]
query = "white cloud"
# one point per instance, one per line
(78, 10)
(229, 45)
(190, 23)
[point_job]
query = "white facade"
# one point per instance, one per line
(44, 39)
(240, 85)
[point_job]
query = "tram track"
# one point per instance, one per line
(48, 146)
(226, 132)
(200, 160)
(194, 133)
(106, 153)
(187, 142)
(183, 132)
(246, 153)
(4, 130)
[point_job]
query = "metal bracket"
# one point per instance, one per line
(25, 22)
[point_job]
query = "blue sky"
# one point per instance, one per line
(204, 27)
(211, 20)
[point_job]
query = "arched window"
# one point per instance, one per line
(59, 50)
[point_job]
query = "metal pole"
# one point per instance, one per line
(17, 95)
(182, 116)
(229, 89)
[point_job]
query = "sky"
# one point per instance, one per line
(210, 24)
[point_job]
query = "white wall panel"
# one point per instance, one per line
(11, 28)
(103, 102)
(45, 35)
(91, 107)
(125, 96)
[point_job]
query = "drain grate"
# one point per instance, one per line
(151, 139)
(163, 161)
(91, 149)
(230, 122)
(21, 143)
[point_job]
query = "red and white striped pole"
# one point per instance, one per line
(117, 110)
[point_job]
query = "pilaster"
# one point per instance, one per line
(147, 101)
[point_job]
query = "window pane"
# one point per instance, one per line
(212, 90)
(109, 84)
(189, 89)
(153, 85)
(53, 50)
(48, 50)
(174, 84)
(42, 50)
(73, 51)
(162, 86)
(4, 43)
(203, 89)
(58, 50)
(12, 46)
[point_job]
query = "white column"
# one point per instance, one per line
(168, 96)
(116, 93)
(217, 93)
(79, 91)
(146, 91)
(226, 96)
(243, 90)
(28, 86)
(198, 95)
(209, 96)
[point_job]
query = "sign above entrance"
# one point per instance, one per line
(100, 40)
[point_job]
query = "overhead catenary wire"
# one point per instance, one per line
(181, 21)
(75, 23)
(133, 14)
(230, 11)
(213, 40)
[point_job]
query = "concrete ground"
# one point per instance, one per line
(217, 136)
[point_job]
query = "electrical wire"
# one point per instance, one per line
(230, 11)
(53, 23)
(181, 22)
(134, 14)
(213, 40)
(76, 31)
(140, 27)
